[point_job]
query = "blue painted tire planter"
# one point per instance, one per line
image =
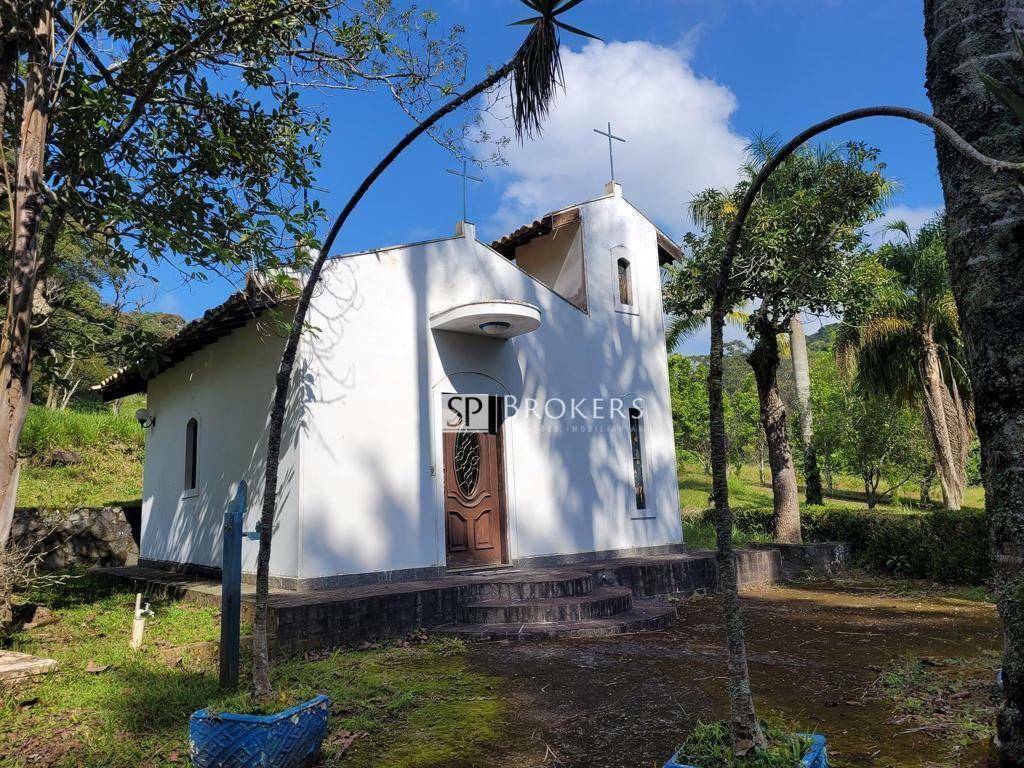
(289, 739)
(816, 757)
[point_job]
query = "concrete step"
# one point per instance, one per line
(529, 586)
(600, 603)
(645, 616)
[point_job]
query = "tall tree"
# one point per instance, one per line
(175, 131)
(985, 214)
(801, 254)
(802, 380)
(719, 304)
(536, 71)
(905, 343)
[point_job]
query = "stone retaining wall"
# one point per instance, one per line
(83, 537)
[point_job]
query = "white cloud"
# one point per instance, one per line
(914, 216)
(676, 123)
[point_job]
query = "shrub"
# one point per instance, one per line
(943, 546)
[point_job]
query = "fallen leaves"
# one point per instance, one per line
(340, 741)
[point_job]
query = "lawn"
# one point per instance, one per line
(748, 490)
(412, 703)
(110, 448)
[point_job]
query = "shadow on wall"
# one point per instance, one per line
(191, 533)
(583, 498)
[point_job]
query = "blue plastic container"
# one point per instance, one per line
(289, 739)
(816, 757)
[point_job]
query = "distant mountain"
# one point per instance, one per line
(821, 341)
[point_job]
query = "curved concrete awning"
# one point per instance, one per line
(493, 319)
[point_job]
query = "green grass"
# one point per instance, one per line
(111, 446)
(710, 746)
(747, 490)
(412, 704)
(951, 699)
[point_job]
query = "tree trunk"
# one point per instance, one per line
(986, 258)
(15, 351)
(802, 379)
(764, 359)
(944, 435)
(746, 731)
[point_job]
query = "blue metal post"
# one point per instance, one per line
(231, 589)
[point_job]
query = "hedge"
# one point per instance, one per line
(942, 546)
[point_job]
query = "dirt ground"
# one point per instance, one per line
(892, 675)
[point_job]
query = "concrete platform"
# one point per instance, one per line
(14, 666)
(587, 599)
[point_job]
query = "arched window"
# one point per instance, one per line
(191, 454)
(625, 283)
(636, 442)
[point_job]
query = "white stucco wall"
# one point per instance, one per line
(370, 477)
(227, 387)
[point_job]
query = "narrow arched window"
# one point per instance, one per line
(625, 283)
(191, 454)
(636, 442)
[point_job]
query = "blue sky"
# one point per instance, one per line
(685, 81)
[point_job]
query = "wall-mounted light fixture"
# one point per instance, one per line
(495, 327)
(145, 418)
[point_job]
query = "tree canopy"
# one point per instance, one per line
(802, 247)
(180, 130)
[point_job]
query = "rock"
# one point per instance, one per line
(176, 656)
(41, 617)
(63, 457)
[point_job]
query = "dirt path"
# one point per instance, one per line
(822, 656)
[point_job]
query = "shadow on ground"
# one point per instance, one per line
(817, 655)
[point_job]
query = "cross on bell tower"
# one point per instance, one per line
(611, 151)
(466, 178)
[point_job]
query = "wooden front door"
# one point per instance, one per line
(474, 504)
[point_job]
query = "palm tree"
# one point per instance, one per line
(802, 380)
(536, 73)
(985, 216)
(906, 344)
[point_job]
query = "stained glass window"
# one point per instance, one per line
(191, 454)
(625, 289)
(635, 439)
(467, 461)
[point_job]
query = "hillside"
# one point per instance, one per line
(80, 458)
(821, 340)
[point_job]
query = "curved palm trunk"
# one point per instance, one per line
(986, 258)
(746, 731)
(802, 379)
(261, 662)
(1007, 170)
(764, 359)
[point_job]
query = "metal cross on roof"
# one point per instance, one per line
(466, 178)
(611, 153)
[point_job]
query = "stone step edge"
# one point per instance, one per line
(638, 619)
(597, 595)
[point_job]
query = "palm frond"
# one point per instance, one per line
(844, 348)
(537, 65)
(681, 327)
(887, 358)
